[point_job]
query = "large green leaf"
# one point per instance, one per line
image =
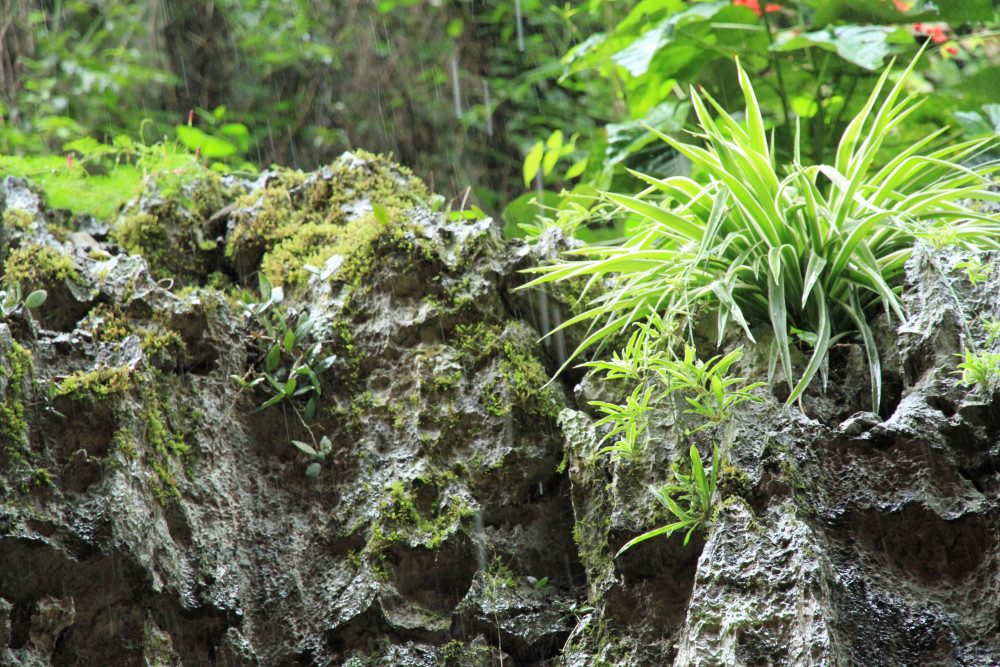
(638, 55)
(866, 46)
(211, 147)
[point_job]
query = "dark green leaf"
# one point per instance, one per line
(273, 358)
(305, 447)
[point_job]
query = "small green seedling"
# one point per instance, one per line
(541, 585)
(319, 453)
(979, 368)
(10, 299)
(975, 269)
(992, 328)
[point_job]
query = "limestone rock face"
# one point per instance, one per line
(444, 505)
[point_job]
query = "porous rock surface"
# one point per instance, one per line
(152, 513)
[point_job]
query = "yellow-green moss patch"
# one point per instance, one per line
(33, 265)
(294, 222)
(162, 443)
(102, 383)
(159, 343)
(400, 520)
(521, 382)
(17, 219)
(17, 368)
(173, 237)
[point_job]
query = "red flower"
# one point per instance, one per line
(755, 6)
(953, 50)
(901, 6)
(932, 30)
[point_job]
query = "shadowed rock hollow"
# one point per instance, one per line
(153, 513)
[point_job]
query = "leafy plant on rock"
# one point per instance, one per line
(648, 360)
(10, 299)
(820, 247)
(979, 368)
(688, 498)
(291, 367)
(319, 453)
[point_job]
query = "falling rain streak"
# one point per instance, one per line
(543, 317)
(520, 25)
(455, 89)
(480, 541)
(558, 335)
(486, 109)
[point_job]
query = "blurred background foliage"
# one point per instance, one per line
(518, 99)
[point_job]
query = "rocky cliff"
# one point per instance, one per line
(367, 466)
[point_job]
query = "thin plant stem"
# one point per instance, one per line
(782, 90)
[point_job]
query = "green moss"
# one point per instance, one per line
(453, 653)
(102, 383)
(570, 290)
(521, 382)
(732, 501)
(162, 443)
(17, 368)
(33, 265)
(590, 533)
(734, 482)
(291, 224)
(159, 343)
(172, 236)
(121, 442)
(40, 477)
(444, 381)
(398, 415)
(400, 519)
(103, 186)
(107, 322)
(17, 219)
(477, 340)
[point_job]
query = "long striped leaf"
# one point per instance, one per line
(820, 349)
(684, 228)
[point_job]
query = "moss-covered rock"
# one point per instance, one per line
(174, 226)
(431, 428)
(295, 220)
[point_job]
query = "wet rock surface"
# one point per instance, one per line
(154, 512)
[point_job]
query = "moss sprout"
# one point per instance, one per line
(17, 219)
(174, 237)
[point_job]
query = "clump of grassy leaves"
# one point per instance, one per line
(818, 248)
